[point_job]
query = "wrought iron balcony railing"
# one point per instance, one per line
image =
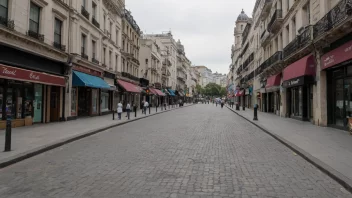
(248, 60)
(36, 35)
(333, 18)
(84, 12)
(277, 15)
(10, 24)
(59, 46)
(301, 41)
(95, 22)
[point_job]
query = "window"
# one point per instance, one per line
(34, 18)
(110, 59)
(104, 18)
(94, 49)
(287, 35)
(3, 9)
(57, 31)
(83, 44)
(84, 3)
(293, 27)
(104, 55)
(110, 28)
(116, 62)
(306, 14)
(94, 9)
(117, 37)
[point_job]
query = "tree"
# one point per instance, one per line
(223, 91)
(213, 89)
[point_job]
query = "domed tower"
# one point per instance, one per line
(241, 23)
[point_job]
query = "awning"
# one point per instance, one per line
(303, 67)
(158, 92)
(180, 93)
(240, 93)
(129, 87)
(165, 92)
(273, 81)
(172, 92)
(80, 79)
(14, 73)
(152, 91)
(336, 56)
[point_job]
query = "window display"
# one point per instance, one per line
(74, 101)
(104, 101)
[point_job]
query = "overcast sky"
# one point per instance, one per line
(205, 27)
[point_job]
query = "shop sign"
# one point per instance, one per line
(294, 82)
(14, 73)
(87, 70)
(336, 56)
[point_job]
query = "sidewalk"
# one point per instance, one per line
(328, 148)
(32, 140)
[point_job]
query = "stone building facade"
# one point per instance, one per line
(297, 48)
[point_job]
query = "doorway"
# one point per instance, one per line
(84, 101)
(54, 104)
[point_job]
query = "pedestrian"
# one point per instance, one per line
(222, 103)
(128, 110)
(119, 110)
(145, 106)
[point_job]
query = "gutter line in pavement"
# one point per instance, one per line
(25, 155)
(332, 173)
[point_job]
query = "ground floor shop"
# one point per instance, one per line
(339, 85)
(130, 93)
(90, 95)
(28, 97)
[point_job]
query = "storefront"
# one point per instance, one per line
(298, 80)
(130, 93)
(338, 65)
(240, 96)
(248, 97)
(272, 94)
(172, 97)
(28, 96)
(88, 94)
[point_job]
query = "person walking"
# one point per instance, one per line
(119, 110)
(145, 106)
(128, 110)
(222, 103)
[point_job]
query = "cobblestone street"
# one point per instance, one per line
(198, 151)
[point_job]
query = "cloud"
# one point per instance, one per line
(205, 27)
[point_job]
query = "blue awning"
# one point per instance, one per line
(172, 92)
(85, 80)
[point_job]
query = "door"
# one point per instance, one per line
(338, 110)
(54, 104)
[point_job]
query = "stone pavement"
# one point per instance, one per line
(28, 140)
(199, 151)
(328, 147)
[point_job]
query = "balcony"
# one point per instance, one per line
(84, 12)
(265, 38)
(300, 46)
(266, 9)
(36, 35)
(271, 66)
(95, 22)
(335, 24)
(9, 24)
(165, 72)
(275, 22)
(95, 60)
(248, 60)
(59, 46)
(129, 76)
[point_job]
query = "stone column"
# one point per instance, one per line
(319, 96)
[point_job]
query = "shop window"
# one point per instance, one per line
(296, 102)
(94, 101)
(74, 101)
(104, 101)
(37, 102)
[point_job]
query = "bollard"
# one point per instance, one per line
(165, 106)
(255, 117)
(113, 115)
(156, 108)
(149, 111)
(243, 108)
(8, 136)
(237, 107)
(135, 111)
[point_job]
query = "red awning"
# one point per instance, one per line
(303, 67)
(158, 92)
(336, 56)
(153, 91)
(273, 81)
(129, 87)
(14, 73)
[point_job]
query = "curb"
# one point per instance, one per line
(328, 170)
(20, 157)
